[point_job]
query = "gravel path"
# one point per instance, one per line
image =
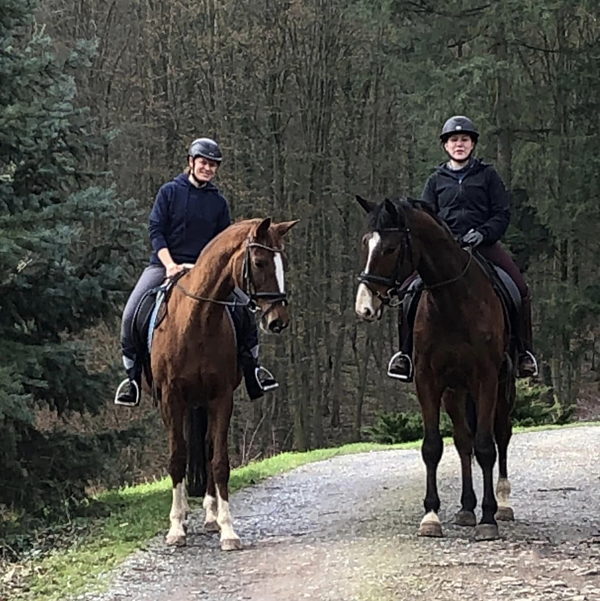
(345, 530)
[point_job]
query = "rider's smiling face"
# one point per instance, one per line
(459, 147)
(203, 169)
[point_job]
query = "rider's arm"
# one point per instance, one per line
(157, 226)
(499, 206)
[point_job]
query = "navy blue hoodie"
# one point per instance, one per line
(472, 197)
(185, 219)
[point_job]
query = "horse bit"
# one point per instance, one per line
(248, 283)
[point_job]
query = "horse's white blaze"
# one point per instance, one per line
(365, 301)
(210, 507)
(177, 516)
(224, 520)
(503, 492)
(279, 272)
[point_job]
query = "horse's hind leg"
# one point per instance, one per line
(485, 451)
(220, 417)
(455, 402)
(503, 431)
(432, 449)
(173, 412)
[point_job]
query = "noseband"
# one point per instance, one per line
(248, 284)
(394, 294)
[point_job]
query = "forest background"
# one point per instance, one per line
(312, 102)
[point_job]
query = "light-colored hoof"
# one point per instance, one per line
(465, 518)
(231, 544)
(505, 514)
(486, 532)
(211, 526)
(176, 540)
(430, 529)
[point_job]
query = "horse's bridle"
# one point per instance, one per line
(249, 287)
(396, 293)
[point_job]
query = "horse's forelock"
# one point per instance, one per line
(381, 217)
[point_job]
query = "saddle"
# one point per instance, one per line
(153, 308)
(502, 283)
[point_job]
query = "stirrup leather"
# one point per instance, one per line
(123, 384)
(266, 376)
(404, 377)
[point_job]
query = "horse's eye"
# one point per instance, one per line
(389, 251)
(260, 263)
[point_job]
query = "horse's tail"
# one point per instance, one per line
(197, 451)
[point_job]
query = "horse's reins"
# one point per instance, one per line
(396, 293)
(248, 283)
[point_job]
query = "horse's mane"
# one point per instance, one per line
(232, 232)
(381, 217)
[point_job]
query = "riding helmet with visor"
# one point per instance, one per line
(206, 148)
(459, 125)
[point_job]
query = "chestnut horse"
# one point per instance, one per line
(194, 363)
(463, 357)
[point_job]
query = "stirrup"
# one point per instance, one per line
(535, 366)
(402, 377)
(268, 378)
(123, 384)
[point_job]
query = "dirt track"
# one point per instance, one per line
(345, 530)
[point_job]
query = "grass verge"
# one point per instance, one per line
(137, 514)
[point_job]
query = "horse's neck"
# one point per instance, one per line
(441, 259)
(212, 276)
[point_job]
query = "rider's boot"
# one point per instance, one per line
(129, 391)
(528, 367)
(258, 379)
(400, 366)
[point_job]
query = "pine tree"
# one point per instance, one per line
(66, 242)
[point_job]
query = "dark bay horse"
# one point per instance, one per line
(463, 358)
(194, 362)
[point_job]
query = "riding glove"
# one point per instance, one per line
(473, 238)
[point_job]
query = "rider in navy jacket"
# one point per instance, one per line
(470, 197)
(188, 213)
(185, 218)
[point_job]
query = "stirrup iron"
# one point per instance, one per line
(402, 378)
(123, 384)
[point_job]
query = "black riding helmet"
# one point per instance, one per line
(207, 148)
(459, 125)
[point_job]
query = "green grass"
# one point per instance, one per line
(137, 514)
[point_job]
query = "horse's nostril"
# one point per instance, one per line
(276, 326)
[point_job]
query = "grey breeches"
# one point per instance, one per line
(152, 276)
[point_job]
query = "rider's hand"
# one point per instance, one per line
(173, 269)
(473, 238)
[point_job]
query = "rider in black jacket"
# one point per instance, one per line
(469, 195)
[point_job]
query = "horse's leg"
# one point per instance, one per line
(485, 451)
(455, 402)
(503, 431)
(432, 449)
(173, 412)
(210, 498)
(220, 415)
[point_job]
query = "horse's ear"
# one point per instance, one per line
(395, 211)
(260, 230)
(367, 205)
(281, 229)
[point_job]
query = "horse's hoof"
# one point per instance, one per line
(431, 529)
(231, 544)
(211, 526)
(176, 540)
(465, 518)
(505, 514)
(486, 532)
